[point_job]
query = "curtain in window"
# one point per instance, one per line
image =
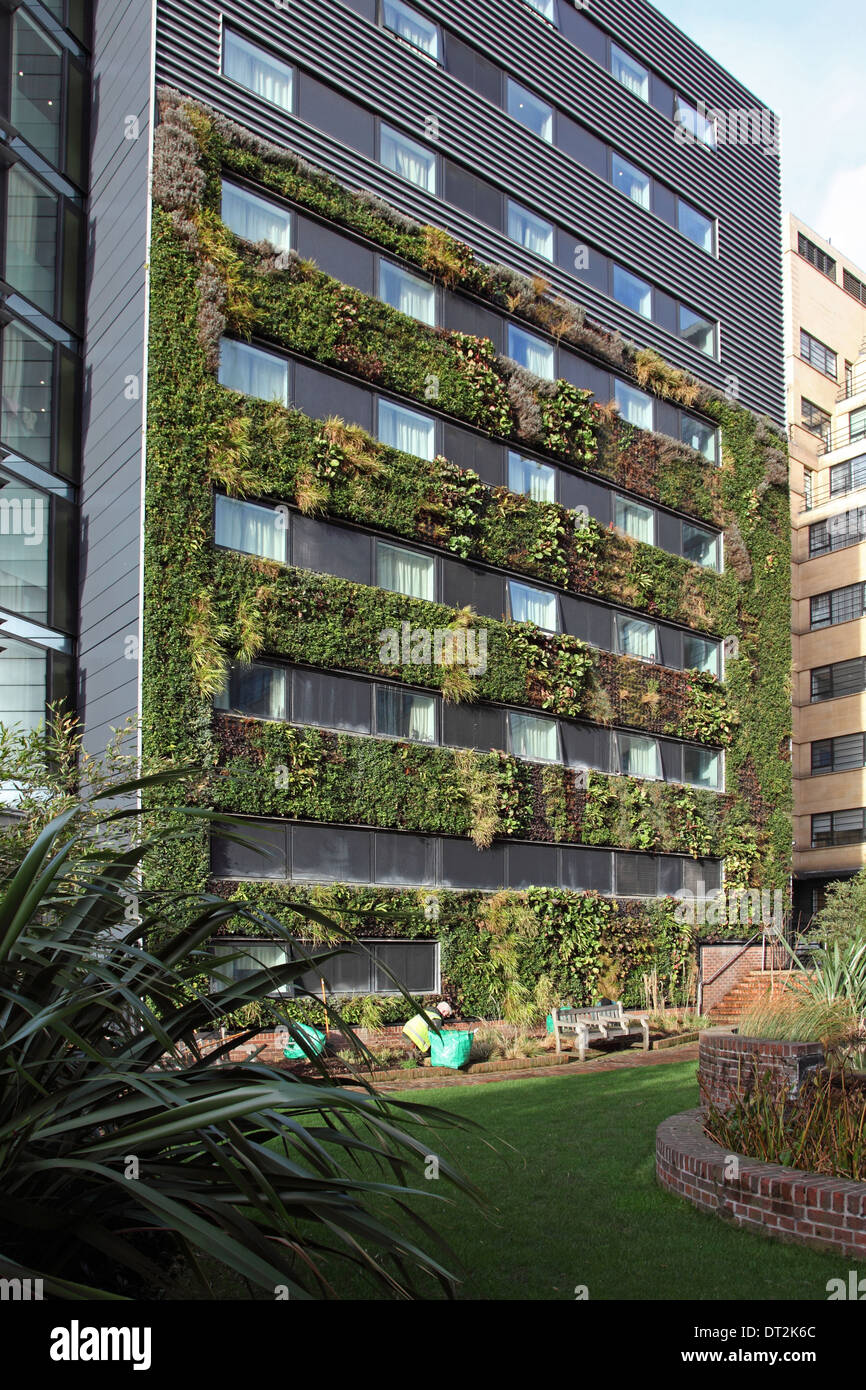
(530, 231)
(700, 546)
(255, 219)
(630, 181)
(23, 550)
(700, 655)
(401, 714)
(532, 606)
(524, 107)
(639, 757)
(254, 372)
(857, 423)
(31, 237)
(37, 85)
(404, 571)
(22, 685)
(531, 352)
(407, 159)
(26, 418)
(408, 25)
(406, 430)
(407, 293)
(535, 480)
(635, 520)
(532, 737)
(255, 69)
(698, 436)
(637, 638)
(635, 294)
(635, 407)
(256, 690)
(629, 73)
(257, 955)
(249, 528)
(701, 767)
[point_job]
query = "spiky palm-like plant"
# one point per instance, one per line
(124, 1149)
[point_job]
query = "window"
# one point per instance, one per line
(629, 72)
(253, 371)
(409, 293)
(411, 27)
(837, 828)
(408, 159)
(634, 183)
(531, 736)
(635, 520)
(636, 875)
(530, 231)
(837, 532)
(857, 424)
(530, 605)
(252, 67)
(24, 536)
(365, 968)
(48, 97)
(634, 293)
(404, 571)
(813, 418)
(690, 119)
(531, 352)
(528, 110)
(816, 257)
(407, 430)
(251, 529)
(535, 480)
(817, 354)
(23, 685)
(702, 767)
(838, 606)
(255, 219)
(235, 961)
(546, 8)
(697, 330)
(852, 285)
(700, 546)
(635, 637)
(848, 476)
(256, 690)
(28, 393)
(639, 756)
(698, 436)
(700, 654)
(845, 754)
(843, 678)
(405, 714)
(635, 407)
(31, 237)
(695, 226)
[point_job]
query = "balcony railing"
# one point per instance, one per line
(855, 383)
(844, 433)
(837, 481)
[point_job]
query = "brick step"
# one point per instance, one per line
(751, 989)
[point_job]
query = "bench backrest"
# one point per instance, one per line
(589, 1015)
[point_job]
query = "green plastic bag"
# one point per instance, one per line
(550, 1016)
(450, 1049)
(315, 1038)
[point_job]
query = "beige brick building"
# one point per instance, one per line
(825, 353)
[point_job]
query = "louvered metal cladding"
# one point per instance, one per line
(739, 185)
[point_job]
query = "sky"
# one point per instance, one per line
(804, 61)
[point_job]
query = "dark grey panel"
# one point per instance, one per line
(665, 310)
(404, 858)
(257, 849)
(323, 107)
(464, 584)
(327, 549)
(582, 145)
(582, 32)
(661, 94)
(465, 316)
(473, 726)
(576, 490)
(331, 853)
(671, 643)
(332, 702)
(336, 255)
(531, 865)
(464, 866)
(585, 374)
(667, 419)
(474, 195)
(672, 760)
(470, 450)
(321, 395)
(587, 868)
(664, 203)
(590, 621)
(367, 8)
(582, 260)
(586, 745)
(669, 532)
(469, 66)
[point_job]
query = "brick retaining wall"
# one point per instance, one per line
(829, 1213)
(728, 1063)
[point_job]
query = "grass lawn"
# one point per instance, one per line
(578, 1202)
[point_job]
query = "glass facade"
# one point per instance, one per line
(44, 106)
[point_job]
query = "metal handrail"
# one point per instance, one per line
(855, 382)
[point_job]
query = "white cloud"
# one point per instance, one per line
(842, 213)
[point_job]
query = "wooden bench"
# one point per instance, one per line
(602, 1021)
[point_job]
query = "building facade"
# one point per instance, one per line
(826, 383)
(455, 553)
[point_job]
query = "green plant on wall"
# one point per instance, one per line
(204, 609)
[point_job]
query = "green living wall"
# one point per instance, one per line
(205, 608)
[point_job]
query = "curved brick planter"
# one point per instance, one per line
(728, 1063)
(829, 1213)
